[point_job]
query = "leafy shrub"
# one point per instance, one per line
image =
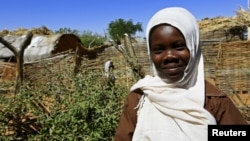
(88, 38)
(91, 40)
(77, 108)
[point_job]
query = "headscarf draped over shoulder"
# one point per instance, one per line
(178, 105)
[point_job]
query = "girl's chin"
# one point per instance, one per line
(170, 80)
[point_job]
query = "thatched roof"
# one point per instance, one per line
(242, 18)
(21, 31)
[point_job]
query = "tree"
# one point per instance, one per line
(119, 27)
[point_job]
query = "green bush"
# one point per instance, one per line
(91, 40)
(88, 38)
(77, 108)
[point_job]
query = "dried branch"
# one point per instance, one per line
(19, 56)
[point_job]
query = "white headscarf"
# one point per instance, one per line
(187, 24)
(174, 111)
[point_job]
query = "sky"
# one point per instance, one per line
(95, 15)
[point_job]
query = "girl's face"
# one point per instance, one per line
(169, 52)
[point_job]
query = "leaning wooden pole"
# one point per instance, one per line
(127, 50)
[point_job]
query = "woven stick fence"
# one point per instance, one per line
(227, 65)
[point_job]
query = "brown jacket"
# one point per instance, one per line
(216, 102)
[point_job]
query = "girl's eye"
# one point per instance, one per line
(180, 46)
(157, 50)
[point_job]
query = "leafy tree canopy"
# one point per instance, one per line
(119, 27)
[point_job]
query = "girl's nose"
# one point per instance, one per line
(169, 54)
